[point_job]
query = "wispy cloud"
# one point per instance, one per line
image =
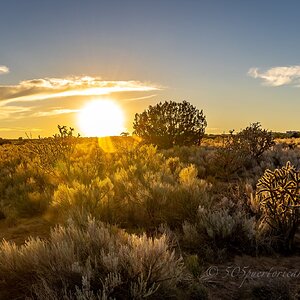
(3, 69)
(19, 129)
(278, 76)
(17, 111)
(47, 88)
(55, 112)
(140, 98)
(20, 100)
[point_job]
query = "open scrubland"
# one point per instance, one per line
(114, 218)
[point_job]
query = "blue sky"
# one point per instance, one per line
(236, 60)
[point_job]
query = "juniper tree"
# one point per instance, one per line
(170, 123)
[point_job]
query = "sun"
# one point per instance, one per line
(101, 118)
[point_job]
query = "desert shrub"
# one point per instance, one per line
(220, 229)
(230, 159)
(168, 193)
(93, 261)
(51, 151)
(78, 200)
(145, 188)
(228, 164)
(278, 198)
(241, 151)
(193, 265)
(143, 157)
(255, 140)
(201, 157)
(280, 156)
(24, 190)
(220, 225)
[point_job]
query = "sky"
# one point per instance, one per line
(237, 60)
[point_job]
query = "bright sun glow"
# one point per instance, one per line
(101, 118)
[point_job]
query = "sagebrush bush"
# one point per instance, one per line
(136, 186)
(93, 261)
(77, 199)
(152, 189)
(24, 190)
(53, 153)
(220, 229)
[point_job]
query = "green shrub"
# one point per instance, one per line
(193, 265)
(78, 200)
(24, 190)
(152, 190)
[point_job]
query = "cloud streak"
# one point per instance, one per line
(18, 111)
(19, 129)
(20, 100)
(140, 98)
(55, 112)
(3, 69)
(278, 76)
(48, 88)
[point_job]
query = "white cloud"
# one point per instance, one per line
(278, 76)
(140, 98)
(48, 88)
(55, 112)
(4, 70)
(14, 99)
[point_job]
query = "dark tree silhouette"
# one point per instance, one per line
(170, 123)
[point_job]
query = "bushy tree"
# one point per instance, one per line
(170, 123)
(255, 140)
(241, 149)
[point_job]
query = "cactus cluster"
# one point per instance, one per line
(278, 194)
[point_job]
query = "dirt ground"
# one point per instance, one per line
(239, 277)
(19, 230)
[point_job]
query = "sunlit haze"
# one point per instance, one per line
(101, 118)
